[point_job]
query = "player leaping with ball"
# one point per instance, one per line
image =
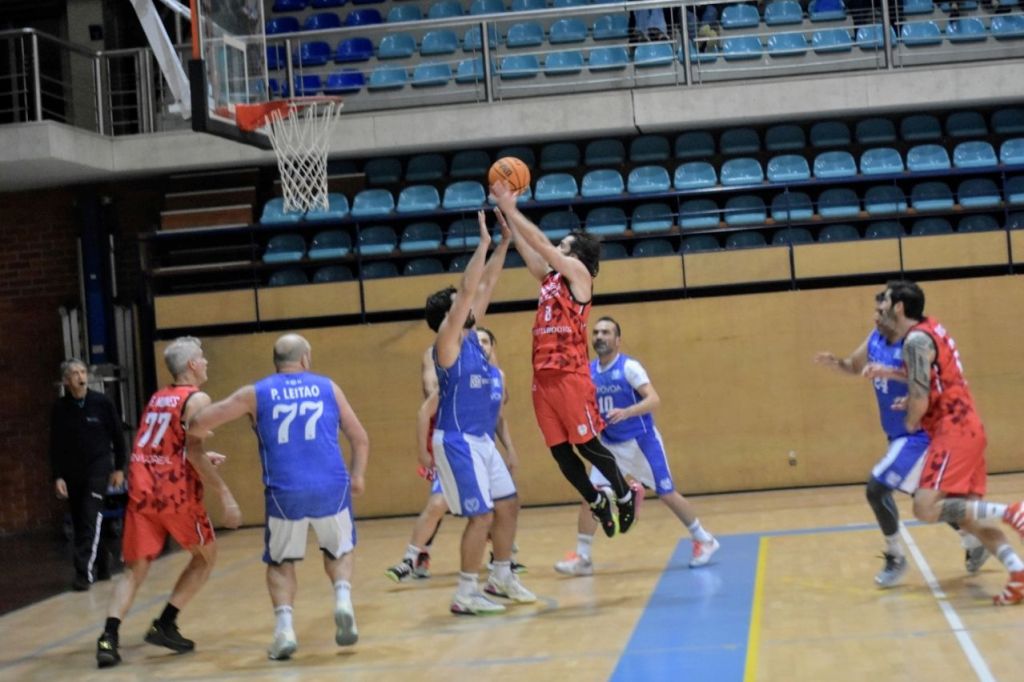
(564, 398)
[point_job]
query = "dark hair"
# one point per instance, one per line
(605, 318)
(489, 333)
(587, 249)
(909, 294)
(438, 305)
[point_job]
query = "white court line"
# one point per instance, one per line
(974, 656)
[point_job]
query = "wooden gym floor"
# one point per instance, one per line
(788, 597)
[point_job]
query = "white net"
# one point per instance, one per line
(300, 142)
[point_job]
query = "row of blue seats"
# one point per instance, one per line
(442, 9)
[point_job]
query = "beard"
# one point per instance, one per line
(600, 347)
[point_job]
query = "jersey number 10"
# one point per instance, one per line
(290, 411)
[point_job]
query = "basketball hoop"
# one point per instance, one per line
(299, 130)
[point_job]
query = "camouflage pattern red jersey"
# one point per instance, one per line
(160, 478)
(560, 329)
(950, 405)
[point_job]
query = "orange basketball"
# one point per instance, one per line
(512, 170)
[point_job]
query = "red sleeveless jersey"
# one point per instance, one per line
(560, 329)
(950, 404)
(160, 478)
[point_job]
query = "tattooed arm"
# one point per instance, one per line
(918, 356)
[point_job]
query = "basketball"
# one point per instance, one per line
(512, 170)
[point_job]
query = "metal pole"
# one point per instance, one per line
(485, 43)
(97, 76)
(289, 71)
(147, 88)
(36, 84)
(886, 36)
(685, 28)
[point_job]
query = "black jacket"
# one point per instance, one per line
(83, 437)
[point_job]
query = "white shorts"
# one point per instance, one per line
(642, 458)
(286, 540)
(472, 473)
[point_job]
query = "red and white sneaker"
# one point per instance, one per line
(702, 552)
(1013, 593)
(1014, 516)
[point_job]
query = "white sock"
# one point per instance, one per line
(892, 545)
(283, 615)
(968, 541)
(698, 533)
(343, 592)
(1009, 559)
(583, 544)
(411, 552)
(467, 584)
(502, 569)
(987, 510)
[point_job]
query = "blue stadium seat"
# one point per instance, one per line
(838, 202)
(559, 156)
(739, 48)
(422, 266)
(568, 3)
(699, 243)
(558, 224)
(792, 235)
(470, 163)
(696, 145)
(883, 229)
(608, 58)
(316, 53)
(825, 134)
(386, 171)
(977, 223)
(565, 63)
(337, 208)
(528, 5)
(308, 84)
(367, 2)
(648, 179)
(745, 240)
(875, 131)
(647, 248)
(966, 30)
(289, 6)
(521, 152)
(605, 152)
(274, 213)
(396, 46)
(525, 34)
(740, 16)
(881, 161)
(695, 175)
(399, 13)
(869, 38)
(443, 41)
(885, 200)
(321, 21)
(567, 31)
(606, 221)
(1008, 121)
(471, 71)
(745, 209)
(387, 78)
(342, 82)
(418, 198)
(428, 75)
(921, 34)
(276, 57)
(783, 13)
(1007, 27)
(514, 260)
(518, 67)
(426, 168)
(613, 251)
(372, 202)
(829, 40)
(330, 244)
(555, 187)
(486, 7)
(697, 214)
(826, 10)
(708, 56)
(838, 233)
(792, 207)
(787, 45)
(652, 55)
(920, 128)
(785, 137)
(1012, 151)
(931, 196)
(931, 226)
(611, 27)
(1014, 188)
(381, 269)
(285, 248)
(363, 17)
(648, 218)
(463, 234)
(287, 278)
(459, 263)
(788, 168)
(420, 237)
(649, 149)
(974, 154)
(464, 194)
(978, 193)
(911, 7)
(926, 157)
(603, 182)
(332, 273)
(741, 171)
(834, 165)
(377, 240)
(740, 141)
(279, 25)
(1015, 221)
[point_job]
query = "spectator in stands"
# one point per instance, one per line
(648, 24)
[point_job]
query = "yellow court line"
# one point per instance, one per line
(754, 634)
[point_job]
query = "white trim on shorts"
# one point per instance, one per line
(286, 539)
(490, 474)
(631, 461)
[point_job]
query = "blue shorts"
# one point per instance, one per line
(473, 475)
(643, 458)
(900, 467)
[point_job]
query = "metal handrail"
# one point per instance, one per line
(14, 32)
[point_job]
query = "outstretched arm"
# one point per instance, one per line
(449, 335)
(852, 364)
(357, 438)
(493, 267)
(201, 417)
(918, 356)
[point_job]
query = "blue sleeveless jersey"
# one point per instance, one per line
(297, 422)
(891, 355)
(615, 391)
(470, 392)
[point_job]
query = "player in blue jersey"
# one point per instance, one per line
(880, 358)
(296, 415)
(627, 399)
(474, 479)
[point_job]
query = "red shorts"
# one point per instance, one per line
(955, 463)
(566, 407)
(144, 534)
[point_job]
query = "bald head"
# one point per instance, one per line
(290, 349)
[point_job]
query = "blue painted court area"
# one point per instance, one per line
(696, 623)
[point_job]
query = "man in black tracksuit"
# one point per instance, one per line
(84, 432)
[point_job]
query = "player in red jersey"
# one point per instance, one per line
(564, 399)
(953, 480)
(165, 497)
